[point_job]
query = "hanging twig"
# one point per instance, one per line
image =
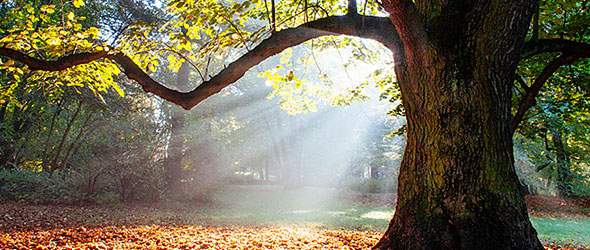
(274, 19)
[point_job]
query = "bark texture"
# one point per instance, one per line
(457, 185)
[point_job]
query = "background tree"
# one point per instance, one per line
(556, 123)
(47, 127)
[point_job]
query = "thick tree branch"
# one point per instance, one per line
(134, 72)
(571, 51)
(46, 65)
(529, 99)
(376, 28)
(535, 47)
(408, 23)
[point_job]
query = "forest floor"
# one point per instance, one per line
(246, 217)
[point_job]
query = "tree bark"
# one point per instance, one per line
(564, 175)
(457, 185)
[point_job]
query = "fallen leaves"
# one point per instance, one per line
(154, 227)
(159, 227)
(547, 206)
(189, 237)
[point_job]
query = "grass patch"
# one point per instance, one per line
(563, 231)
(274, 205)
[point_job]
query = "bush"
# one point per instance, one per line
(35, 187)
(18, 185)
(580, 186)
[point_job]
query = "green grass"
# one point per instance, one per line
(561, 231)
(274, 205)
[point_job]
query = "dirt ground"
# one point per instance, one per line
(547, 206)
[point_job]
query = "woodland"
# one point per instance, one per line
(294, 124)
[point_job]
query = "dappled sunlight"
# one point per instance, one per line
(378, 215)
(336, 213)
(272, 224)
(302, 211)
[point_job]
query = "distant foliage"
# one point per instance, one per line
(554, 133)
(385, 185)
(35, 187)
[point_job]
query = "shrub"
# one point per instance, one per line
(35, 187)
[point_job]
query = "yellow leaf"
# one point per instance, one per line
(48, 8)
(71, 16)
(119, 90)
(78, 3)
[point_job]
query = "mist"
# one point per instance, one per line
(243, 149)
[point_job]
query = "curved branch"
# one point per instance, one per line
(529, 99)
(571, 51)
(377, 28)
(535, 47)
(47, 65)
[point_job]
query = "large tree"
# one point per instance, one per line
(455, 64)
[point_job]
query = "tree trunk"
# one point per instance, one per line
(374, 171)
(457, 187)
(3, 112)
(564, 175)
(276, 153)
(56, 112)
(54, 166)
(173, 167)
(64, 162)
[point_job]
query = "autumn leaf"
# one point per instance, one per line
(78, 3)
